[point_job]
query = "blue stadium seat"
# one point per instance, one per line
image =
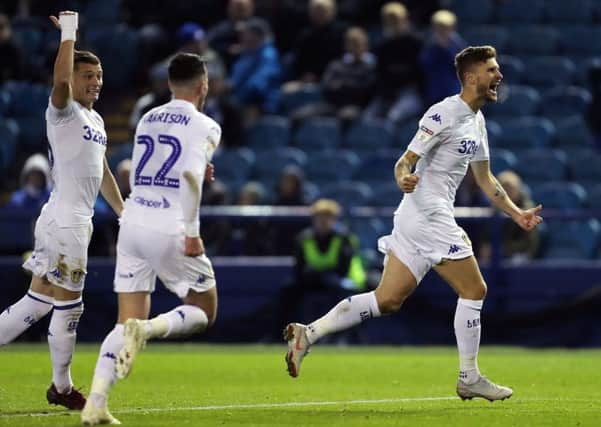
(572, 239)
(527, 132)
(512, 69)
(560, 195)
(318, 134)
(386, 194)
(270, 164)
(369, 135)
(30, 39)
(310, 191)
(502, 160)
(573, 11)
(117, 154)
(405, 134)
(580, 40)
(368, 231)
(494, 132)
(549, 71)
(494, 35)
(541, 165)
(520, 12)
(307, 95)
(268, 132)
(533, 40)
(9, 136)
(583, 70)
(234, 165)
(594, 196)
(573, 132)
(563, 101)
(331, 165)
(348, 193)
(521, 101)
(26, 99)
(585, 165)
(378, 165)
(473, 11)
(32, 133)
(118, 48)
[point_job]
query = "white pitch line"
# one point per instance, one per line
(279, 405)
(242, 406)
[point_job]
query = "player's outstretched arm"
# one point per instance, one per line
(405, 179)
(110, 190)
(527, 219)
(63, 65)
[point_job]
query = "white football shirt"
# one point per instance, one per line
(77, 145)
(450, 136)
(170, 139)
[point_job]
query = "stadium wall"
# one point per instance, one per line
(538, 304)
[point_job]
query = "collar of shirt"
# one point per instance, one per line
(464, 107)
(183, 104)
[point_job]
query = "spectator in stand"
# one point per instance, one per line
(290, 187)
(224, 37)
(438, 57)
(252, 194)
(327, 262)
(11, 64)
(348, 82)
(518, 245)
(159, 94)
(256, 74)
(398, 91)
(193, 39)
(319, 44)
(35, 184)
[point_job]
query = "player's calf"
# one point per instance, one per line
(17, 318)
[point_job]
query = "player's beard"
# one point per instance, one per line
(483, 92)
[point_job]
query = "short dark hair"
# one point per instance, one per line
(470, 56)
(84, 57)
(184, 67)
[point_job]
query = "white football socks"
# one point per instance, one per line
(61, 340)
(467, 331)
(349, 312)
(181, 321)
(18, 317)
(104, 374)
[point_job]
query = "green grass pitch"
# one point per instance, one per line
(203, 385)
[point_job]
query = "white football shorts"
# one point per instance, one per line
(422, 240)
(60, 254)
(143, 254)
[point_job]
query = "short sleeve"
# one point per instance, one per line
(483, 152)
(58, 116)
(432, 129)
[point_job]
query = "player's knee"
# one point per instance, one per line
(476, 292)
(389, 304)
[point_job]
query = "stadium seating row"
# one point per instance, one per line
(518, 12)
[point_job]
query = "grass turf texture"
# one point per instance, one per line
(190, 385)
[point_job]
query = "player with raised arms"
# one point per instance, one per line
(159, 234)
(451, 136)
(63, 230)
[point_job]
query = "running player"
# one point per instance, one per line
(159, 233)
(62, 233)
(451, 137)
